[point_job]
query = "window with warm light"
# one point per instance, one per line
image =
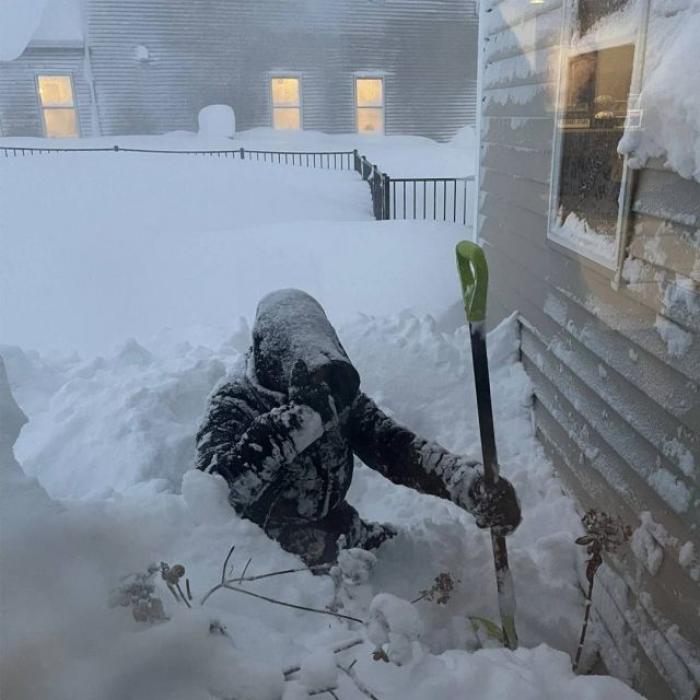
(59, 115)
(369, 105)
(286, 102)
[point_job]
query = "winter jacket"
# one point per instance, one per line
(283, 434)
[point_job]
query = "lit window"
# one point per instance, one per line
(369, 105)
(57, 106)
(286, 103)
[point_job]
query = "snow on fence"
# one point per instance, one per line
(447, 199)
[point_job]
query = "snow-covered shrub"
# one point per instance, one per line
(393, 627)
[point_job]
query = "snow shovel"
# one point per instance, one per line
(474, 276)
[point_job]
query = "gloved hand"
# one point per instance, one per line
(495, 507)
(306, 391)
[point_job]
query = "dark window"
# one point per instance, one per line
(592, 11)
(591, 125)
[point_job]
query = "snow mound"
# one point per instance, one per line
(217, 120)
(19, 20)
(61, 560)
(670, 99)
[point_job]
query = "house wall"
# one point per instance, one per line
(617, 411)
(208, 51)
(20, 113)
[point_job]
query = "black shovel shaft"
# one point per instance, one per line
(483, 402)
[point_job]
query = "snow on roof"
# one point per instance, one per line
(44, 21)
(670, 97)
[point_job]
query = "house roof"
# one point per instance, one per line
(44, 22)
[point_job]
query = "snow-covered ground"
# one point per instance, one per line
(174, 255)
(398, 156)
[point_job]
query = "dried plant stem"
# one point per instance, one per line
(283, 603)
(343, 646)
(223, 569)
(245, 569)
(182, 595)
(584, 628)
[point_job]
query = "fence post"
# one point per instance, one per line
(242, 153)
(386, 204)
(356, 158)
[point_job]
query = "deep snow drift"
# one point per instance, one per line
(160, 241)
(60, 560)
(192, 244)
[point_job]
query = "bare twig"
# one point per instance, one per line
(245, 568)
(350, 673)
(584, 628)
(182, 595)
(171, 588)
(343, 646)
(318, 567)
(223, 569)
(228, 587)
(189, 592)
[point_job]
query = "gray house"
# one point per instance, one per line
(147, 66)
(600, 253)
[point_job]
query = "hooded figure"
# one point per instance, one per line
(285, 433)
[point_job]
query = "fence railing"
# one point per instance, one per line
(427, 198)
(329, 160)
(430, 198)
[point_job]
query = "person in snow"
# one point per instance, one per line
(284, 433)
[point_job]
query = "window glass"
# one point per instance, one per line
(60, 123)
(591, 124)
(57, 106)
(370, 120)
(286, 118)
(370, 92)
(590, 12)
(286, 103)
(285, 91)
(369, 105)
(55, 90)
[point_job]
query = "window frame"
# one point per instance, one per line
(42, 108)
(294, 75)
(369, 76)
(610, 267)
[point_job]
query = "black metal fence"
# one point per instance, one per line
(431, 199)
(328, 160)
(425, 198)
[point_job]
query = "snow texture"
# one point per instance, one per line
(111, 437)
(19, 20)
(217, 121)
(678, 340)
(575, 233)
(319, 671)
(670, 98)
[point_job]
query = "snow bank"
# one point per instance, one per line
(201, 240)
(670, 99)
(61, 560)
(19, 20)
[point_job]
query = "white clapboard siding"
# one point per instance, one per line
(20, 114)
(222, 51)
(616, 408)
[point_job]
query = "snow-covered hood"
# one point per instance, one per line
(290, 325)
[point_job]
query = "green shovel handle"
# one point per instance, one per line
(474, 275)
